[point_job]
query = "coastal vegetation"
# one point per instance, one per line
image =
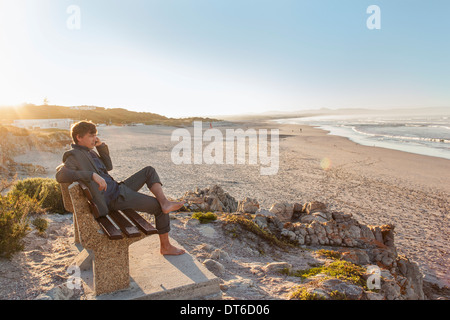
(204, 217)
(44, 190)
(99, 115)
(27, 198)
(338, 269)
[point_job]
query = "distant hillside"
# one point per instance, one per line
(114, 116)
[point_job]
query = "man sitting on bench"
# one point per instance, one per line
(82, 163)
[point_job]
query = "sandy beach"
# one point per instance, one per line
(377, 185)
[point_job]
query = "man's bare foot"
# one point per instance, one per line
(171, 250)
(170, 206)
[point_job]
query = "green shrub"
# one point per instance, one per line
(338, 269)
(43, 189)
(14, 210)
(302, 293)
(40, 224)
(331, 254)
(204, 217)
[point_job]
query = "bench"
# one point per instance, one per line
(107, 238)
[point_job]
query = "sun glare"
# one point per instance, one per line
(13, 49)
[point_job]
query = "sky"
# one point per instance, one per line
(182, 58)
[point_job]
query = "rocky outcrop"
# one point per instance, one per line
(248, 205)
(213, 198)
(282, 210)
(310, 225)
(360, 244)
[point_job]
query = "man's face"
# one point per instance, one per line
(88, 140)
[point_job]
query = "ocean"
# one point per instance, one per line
(426, 135)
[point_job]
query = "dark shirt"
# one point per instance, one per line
(112, 187)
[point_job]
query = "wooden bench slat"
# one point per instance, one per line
(129, 229)
(140, 222)
(110, 230)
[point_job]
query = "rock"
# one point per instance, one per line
(387, 261)
(206, 247)
(356, 256)
(277, 267)
(239, 284)
(310, 207)
(391, 290)
(301, 239)
(330, 227)
(248, 205)
(341, 217)
(264, 212)
(61, 292)
(334, 239)
(411, 271)
(322, 238)
(276, 222)
(261, 221)
(250, 252)
(192, 222)
(387, 232)
(300, 229)
(298, 208)
(216, 205)
(370, 295)
(318, 228)
(207, 231)
(310, 230)
(316, 216)
(308, 219)
(351, 291)
(314, 240)
(319, 293)
(366, 233)
(43, 296)
(289, 234)
(377, 233)
(321, 216)
(213, 198)
(229, 202)
(348, 242)
(289, 226)
(215, 267)
(354, 232)
(219, 254)
(384, 255)
(282, 211)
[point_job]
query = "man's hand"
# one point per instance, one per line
(97, 141)
(100, 181)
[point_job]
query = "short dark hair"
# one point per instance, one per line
(82, 128)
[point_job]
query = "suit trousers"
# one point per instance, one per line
(130, 198)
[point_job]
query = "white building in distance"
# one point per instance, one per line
(83, 108)
(43, 123)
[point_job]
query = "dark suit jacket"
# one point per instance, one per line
(78, 165)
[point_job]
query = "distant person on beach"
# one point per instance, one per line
(83, 163)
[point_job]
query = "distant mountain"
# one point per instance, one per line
(95, 114)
